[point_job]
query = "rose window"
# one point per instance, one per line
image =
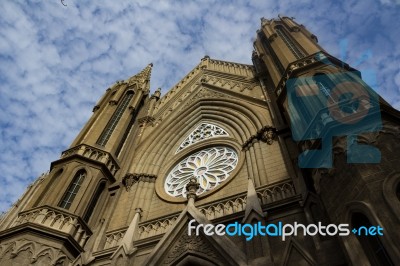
(211, 167)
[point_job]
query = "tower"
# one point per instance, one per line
(229, 144)
(344, 135)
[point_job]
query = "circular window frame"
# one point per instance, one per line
(170, 164)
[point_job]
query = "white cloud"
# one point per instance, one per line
(56, 61)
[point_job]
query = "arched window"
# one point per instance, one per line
(94, 201)
(72, 190)
(372, 245)
(202, 132)
(112, 124)
(129, 127)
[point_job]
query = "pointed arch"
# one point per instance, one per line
(177, 244)
(94, 201)
(202, 132)
(73, 189)
(113, 122)
(295, 252)
(371, 245)
(229, 113)
(354, 249)
(391, 192)
(29, 246)
(43, 252)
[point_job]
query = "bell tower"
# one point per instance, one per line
(338, 131)
(66, 205)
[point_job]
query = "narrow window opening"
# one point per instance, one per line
(268, 49)
(289, 42)
(371, 244)
(94, 201)
(129, 128)
(112, 124)
(72, 190)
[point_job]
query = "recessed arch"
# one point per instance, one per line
(391, 193)
(354, 249)
(73, 189)
(94, 201)
(229, 113)
(372, 245)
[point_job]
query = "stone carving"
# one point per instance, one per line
(276, 192)
(94, 154)
(187, 244)
(202, 132)
(130, 179)
(191, 188)
(266, 195)
(114, 238)
(211, 211)
(226, 83)
(266, 134)
(146, 229)
(57, 220)
(157, 227)
(223, 208)
(147, 120)
(205, 93)
(37, 253)
(237, 69)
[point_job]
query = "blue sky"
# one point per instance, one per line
(56, 61)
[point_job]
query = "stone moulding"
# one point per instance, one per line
(37, 250)
(58, 220)
(94, 154)
(308, 61)
(266, 195)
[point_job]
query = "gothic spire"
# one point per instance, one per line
(143, 76)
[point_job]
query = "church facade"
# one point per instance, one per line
(297, 137)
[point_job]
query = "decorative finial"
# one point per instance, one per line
(191, 188)
(151, 64)
(156, 95)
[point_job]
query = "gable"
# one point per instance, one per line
(178, 248)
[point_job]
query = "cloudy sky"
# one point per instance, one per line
(56, 61)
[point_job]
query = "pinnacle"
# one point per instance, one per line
(143, 75)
